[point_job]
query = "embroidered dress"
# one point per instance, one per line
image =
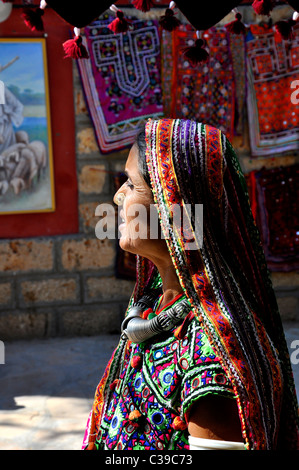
(157, 385)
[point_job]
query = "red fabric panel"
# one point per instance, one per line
(65, 218)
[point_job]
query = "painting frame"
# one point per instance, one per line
(46, 195)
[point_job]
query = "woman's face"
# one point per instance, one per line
(135, 212)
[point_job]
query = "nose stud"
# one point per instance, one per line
(119, 199)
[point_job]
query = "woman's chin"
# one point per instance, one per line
(126, 243)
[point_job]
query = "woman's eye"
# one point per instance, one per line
(129, 184)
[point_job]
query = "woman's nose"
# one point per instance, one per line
(119, 198)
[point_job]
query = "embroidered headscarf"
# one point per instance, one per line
(225, 278)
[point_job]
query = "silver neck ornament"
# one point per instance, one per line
(137, 329)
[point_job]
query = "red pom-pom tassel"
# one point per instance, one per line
(113, 385)
(135, 415)
(196, 54)
(136, 361)
(168, 21)
(236, 26)
(263, 7)
(178, 424)
(33, 19)
(74, 48)
(143, 5)
(120, 24)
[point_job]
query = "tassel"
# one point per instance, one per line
(168, 21)
(74, 48)
(120, 24)
(33, 18)
(143, 5)
(284, 29)
(178, 424)
(135, 415)
(236, 26)
(196, 54)
(263, 7)
(114, 385)
(136, 361)
(136, 419)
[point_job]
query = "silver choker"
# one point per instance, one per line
(137, 329)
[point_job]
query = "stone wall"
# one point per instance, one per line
(66, 285)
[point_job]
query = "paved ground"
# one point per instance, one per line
(47, 386)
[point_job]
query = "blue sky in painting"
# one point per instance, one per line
(27, 71)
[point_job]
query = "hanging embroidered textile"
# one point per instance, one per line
(238, 56)
(167, 70)
(274, 195)
(205, 93)
(121, 80)
(272, 66)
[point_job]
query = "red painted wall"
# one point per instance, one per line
(65, 218)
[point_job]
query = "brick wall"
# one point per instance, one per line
(66, 285)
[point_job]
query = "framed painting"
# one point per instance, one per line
(26, 156)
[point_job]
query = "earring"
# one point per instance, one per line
(119, 199)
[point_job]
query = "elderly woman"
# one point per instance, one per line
(202, 361)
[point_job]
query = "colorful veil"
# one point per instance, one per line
(225, 277)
